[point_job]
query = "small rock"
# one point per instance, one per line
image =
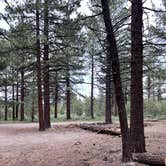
(77, 143)
(105, 158)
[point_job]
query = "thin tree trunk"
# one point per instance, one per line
(38, 64)
(113, 53)
(33, 102)
(68, 115)
(22, 96)
(13, 100)
(17, 96)
(114, 104)
(108, 104)
(6, 105)
(136, 115)
(92, 87)
(46, 69)
(159, 93)
(56, 97)
(149, 87)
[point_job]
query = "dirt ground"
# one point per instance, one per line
(67, 145)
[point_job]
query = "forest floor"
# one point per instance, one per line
(65, 144)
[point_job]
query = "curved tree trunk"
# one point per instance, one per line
(113, 54)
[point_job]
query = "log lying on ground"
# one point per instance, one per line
(101, 129)
(150, 159)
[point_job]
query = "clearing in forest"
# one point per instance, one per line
(65, 144)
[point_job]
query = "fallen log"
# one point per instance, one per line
(101, 129)
(150, 159)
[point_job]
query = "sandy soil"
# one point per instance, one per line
(67, 145)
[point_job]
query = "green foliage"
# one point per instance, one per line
(155, 109)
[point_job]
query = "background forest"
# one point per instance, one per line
(73, 60)
(52, 52)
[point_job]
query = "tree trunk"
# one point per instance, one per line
(6, 102)
(115, 105)
(149, 86)
(56, 97)
(46, 69)
(159, 93)
(108, 96)
(136, 115)
(22, 96)
(17, 97)
(92, 87)
(33, 102)
(113, 56)
(38, 65)
(68, 116)
(13, 101)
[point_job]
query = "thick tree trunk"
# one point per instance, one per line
(68, 93)
(46, 69)
(136, 115)
(113, 53)
(38, 64)
(56, 97)
(22, 96)
(92, 87)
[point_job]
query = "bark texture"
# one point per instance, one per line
(136, 115)
(38, 64)
(46, 69)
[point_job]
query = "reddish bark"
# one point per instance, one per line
(38, 65)
(136, 115)
(46, 69)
